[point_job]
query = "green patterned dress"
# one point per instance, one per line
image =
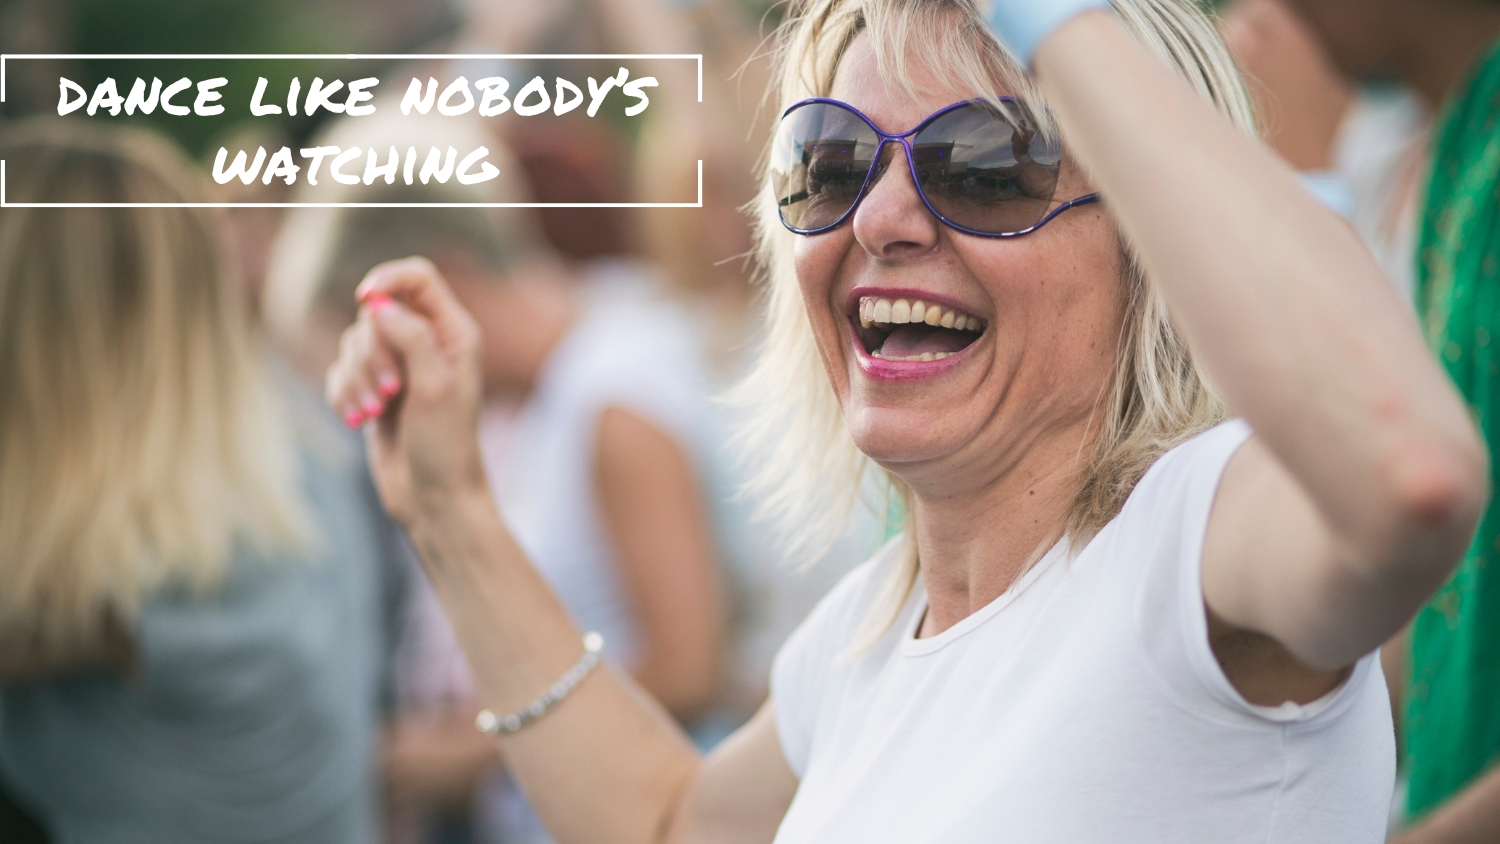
(1452, 724)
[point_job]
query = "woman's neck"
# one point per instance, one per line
(974, 546)
(1443, 42)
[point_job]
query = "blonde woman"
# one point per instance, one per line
(1113, 615)
(192, 597)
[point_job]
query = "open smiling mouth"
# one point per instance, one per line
(912, 330)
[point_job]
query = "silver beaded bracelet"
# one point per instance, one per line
(493, 725)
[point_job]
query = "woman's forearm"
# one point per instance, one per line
(1280, 300)
(607, 764)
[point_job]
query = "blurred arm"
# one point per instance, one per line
(1473, 817)
(655, 513)
(1365, 479)
(434, 765)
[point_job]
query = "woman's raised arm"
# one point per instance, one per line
(607, 764)
(1365, 479)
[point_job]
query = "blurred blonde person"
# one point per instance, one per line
(189, 610)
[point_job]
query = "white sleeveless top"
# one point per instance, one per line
(1082, 706)
(631, 349)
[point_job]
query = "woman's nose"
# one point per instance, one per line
(892, 222)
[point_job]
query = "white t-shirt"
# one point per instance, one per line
(1083, 705)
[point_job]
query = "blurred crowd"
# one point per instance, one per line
(206, 621)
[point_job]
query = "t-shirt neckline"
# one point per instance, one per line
(910, 645)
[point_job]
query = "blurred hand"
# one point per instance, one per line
(408, 370)
(1302, 98)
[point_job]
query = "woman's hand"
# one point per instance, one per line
(408, 369)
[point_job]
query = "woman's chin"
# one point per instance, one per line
(893, 436)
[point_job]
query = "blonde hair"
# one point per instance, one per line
(808, 471)
(140, 444)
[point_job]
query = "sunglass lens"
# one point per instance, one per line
(819, 163)
(985, 172)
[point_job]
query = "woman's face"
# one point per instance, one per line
(1048, 307)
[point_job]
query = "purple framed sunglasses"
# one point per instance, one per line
(978, 170)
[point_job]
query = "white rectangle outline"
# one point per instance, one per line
(4, 57)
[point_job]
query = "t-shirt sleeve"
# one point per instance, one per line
(1164, 526)
(802, 668)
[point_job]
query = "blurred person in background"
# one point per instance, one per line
(595, 434)
(194, 600)
(1360, 143)
(1448, 52)
(575, 158)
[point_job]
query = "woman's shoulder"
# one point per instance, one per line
(1190, 466)
(836, 619)
(1167, 511)
(809, 661)
(862, 585)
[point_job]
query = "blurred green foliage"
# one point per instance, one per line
(201, 26)
(234, 27)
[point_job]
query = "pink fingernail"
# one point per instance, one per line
(389, 385)
(378, 301)
(353, 418)
(371, 406)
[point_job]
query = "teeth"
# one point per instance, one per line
(877, 311)
(925, 356)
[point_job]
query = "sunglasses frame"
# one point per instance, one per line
(904, 138)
